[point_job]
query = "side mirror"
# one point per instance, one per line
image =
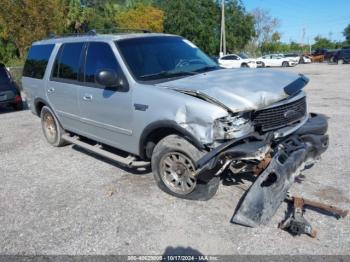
(107, 78)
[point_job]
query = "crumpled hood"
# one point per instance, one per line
(241, 89)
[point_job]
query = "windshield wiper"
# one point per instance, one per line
(165, 74)
(206, 68)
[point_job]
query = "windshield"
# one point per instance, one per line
(163, 57)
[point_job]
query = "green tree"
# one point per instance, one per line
(141, 17)
(265, 28)
(239, 26)
(103, 16)
(346, 33)
(8, 51)
(78, 16)
(199, 21)
(25, 21)
(196, 20)
(322, 42)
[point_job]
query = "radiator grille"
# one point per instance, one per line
(280, 116)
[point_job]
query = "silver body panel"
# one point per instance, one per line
(110, 117)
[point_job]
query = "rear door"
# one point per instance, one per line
(62, 89)
(106, 113)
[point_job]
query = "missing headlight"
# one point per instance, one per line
(232, 127)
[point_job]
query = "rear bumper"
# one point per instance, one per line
(8, 102)
(289, 157)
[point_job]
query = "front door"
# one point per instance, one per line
(106, 114)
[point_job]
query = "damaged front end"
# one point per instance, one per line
(288, 155)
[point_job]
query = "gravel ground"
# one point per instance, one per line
(66, 201)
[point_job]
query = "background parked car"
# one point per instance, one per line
(318, 55)
(275, 60)
(294, 56)
(237, 61)
(342, 56)
(304, 59)
(9, 94)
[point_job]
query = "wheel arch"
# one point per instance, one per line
(156, 131)
(39, 103)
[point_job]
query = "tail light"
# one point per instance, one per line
(18, 99)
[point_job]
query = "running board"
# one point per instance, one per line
(129, 161)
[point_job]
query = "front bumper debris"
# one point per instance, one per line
(289, 157)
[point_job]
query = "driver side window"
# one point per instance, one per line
(99, 56)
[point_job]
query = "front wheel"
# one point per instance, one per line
(51, 127)
(173, 166)
(285, 64)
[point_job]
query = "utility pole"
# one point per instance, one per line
(223, 30)
(308, 39)
(303, 38)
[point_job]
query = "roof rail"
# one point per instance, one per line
(114, 30)
(102, 31)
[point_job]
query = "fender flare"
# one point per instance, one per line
(39, 100)
(167, 124)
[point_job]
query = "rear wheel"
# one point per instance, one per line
(51, 128)
(173, 166)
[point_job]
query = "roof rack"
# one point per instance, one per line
(95, 32)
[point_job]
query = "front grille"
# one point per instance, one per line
(279, 116)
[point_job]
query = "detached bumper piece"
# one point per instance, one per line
(289, 158)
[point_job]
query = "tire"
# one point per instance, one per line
(262, 64)
(340, 61)
(51, 128)
(285, 64)
(18, 106)
(244, 65)
(173, 165)
(301, 61)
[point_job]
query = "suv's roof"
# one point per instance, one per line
(97, 37)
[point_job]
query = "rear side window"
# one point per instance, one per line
(99, 56)
(37, 60)
(67, 61)
(4, 76)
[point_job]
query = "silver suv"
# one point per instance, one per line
(157, 99)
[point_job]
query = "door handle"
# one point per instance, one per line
(51, 90)
(87, 97)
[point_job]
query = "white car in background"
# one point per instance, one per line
(236, 61)
(305, 60)
(276, 60)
